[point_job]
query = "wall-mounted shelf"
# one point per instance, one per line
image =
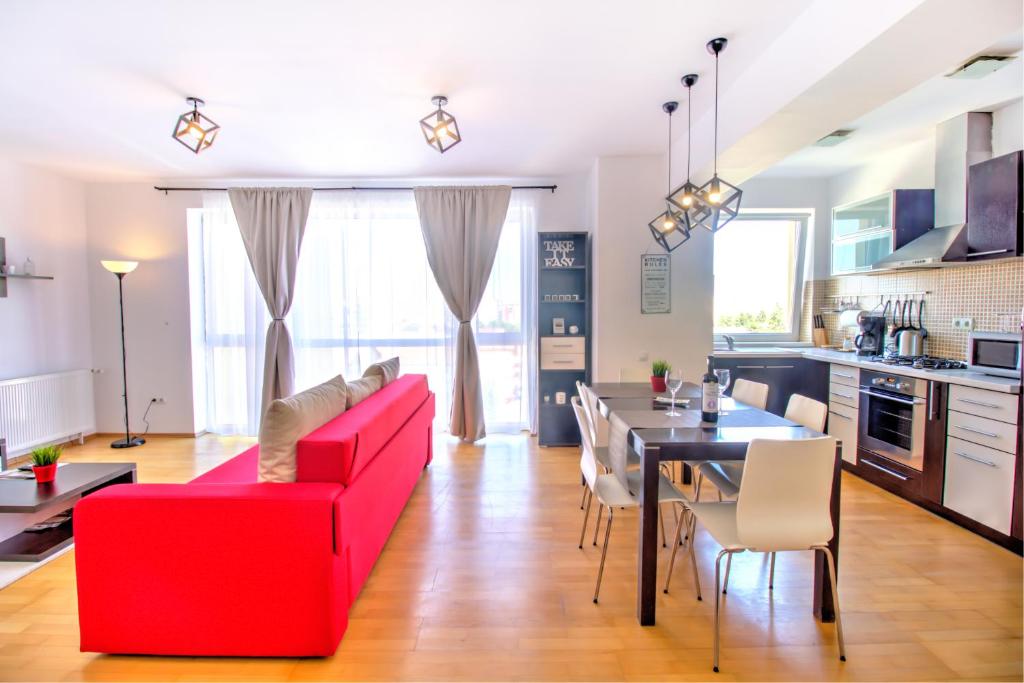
(4, 277)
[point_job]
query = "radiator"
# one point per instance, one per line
(46, 409)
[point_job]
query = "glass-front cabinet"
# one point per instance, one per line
(867, 230)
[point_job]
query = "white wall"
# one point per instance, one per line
(132, 221)
(1008, 128)
(44, 324)
(629, 193)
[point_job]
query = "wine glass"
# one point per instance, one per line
(674, 382)
(723, 381)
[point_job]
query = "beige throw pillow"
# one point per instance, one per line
(361, 389)
(387, 370)
(289, 419)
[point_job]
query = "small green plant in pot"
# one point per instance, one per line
(659, 369)
(44, 463)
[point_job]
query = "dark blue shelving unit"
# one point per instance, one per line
(563, 291)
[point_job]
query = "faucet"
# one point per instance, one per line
(729, 341)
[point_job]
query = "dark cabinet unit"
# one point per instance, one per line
(784, 377)
(564, 328)
(995, 228)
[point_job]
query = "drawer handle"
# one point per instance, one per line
(979, 403)
(562, 346)
(840, 394)
(842, 374)
(750, 367)
(987, 253)
(563, 362)
(850, 419)
(886, 470)
(977, 431)
(977, 460)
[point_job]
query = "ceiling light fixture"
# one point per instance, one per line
(671, 228)
(685, 197)
(439, 127)
(721, 198)
(194, 130)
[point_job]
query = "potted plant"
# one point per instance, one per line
(44, 463)
(659, 369)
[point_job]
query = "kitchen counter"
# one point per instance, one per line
(962, 377)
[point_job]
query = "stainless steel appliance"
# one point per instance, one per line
(923, 362)
(892, 417)
(995, 353)
(871, 340)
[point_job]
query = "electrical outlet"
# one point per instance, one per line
(644, 357)
(965, 324)
(158, 399)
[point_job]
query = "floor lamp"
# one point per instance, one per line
(120, 269)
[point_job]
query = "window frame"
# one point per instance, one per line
(804, 218)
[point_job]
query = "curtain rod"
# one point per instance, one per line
(165, 190)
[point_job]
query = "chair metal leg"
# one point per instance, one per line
(693, 554)
(586, 489)
(600, 509)
(771, 573)
(728, 566)
(604, 553)
(718, 600)
(831, 562)
(675, 547)
(586, 515)
(661, 523)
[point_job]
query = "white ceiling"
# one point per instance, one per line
(909, 118)
(319, 89)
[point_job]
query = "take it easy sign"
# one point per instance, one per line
(559, 253)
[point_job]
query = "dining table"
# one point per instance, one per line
(657, 438)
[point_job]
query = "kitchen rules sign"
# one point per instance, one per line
(655, 283)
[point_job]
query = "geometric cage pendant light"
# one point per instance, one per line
(671, 228)
(685, 197)
(440, 129)
(720, 197)
(194, 130)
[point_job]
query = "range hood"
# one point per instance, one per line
(959, 143)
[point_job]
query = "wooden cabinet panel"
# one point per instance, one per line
(994, 223)
(979, 483)
(991, 404)
(842, 424)
(845, 395)
(844, 374)
(983, 431)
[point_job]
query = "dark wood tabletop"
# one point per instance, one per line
(72, 480)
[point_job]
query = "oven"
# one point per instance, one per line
(892, 417)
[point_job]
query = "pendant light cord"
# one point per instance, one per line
(670, 153)
(716, 114)
(689, 110)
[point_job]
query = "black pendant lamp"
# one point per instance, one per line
(721, 198)
(670, 229)
(440, 129)
(685, 197)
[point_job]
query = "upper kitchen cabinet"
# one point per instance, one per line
(994, 204)
(864, 232)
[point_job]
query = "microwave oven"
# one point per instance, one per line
(995, 353)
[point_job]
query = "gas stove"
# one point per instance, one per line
(919, 362)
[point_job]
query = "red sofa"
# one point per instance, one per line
(224, 565)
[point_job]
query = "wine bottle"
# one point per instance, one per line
(709, 393)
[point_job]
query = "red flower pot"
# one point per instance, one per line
(658, 384)
(44, 473)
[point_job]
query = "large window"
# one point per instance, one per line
(759, 276)
(363, 292)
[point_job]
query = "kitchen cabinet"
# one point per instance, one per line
(784, 377)
(865, 231)
(995, 225)
(844, 407)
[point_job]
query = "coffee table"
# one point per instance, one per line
(23, 502)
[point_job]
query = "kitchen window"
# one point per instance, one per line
(759, 276)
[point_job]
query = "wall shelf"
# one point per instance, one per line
(19, 276)
(4, 277)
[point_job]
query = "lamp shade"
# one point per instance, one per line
(120, 267)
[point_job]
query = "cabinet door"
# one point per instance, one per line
(860, 253)
(864, 216)
(842, 424)
(994, 208)
(979, 483)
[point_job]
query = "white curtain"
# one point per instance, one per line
(364, 291)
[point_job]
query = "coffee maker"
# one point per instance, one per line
(871, 340)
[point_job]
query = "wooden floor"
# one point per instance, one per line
(482, 580)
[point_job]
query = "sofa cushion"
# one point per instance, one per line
(361, 389)
(388, 370)
(341, 448)
(291, 418)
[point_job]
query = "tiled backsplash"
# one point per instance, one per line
(992, 294)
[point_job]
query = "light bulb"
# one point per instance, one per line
(195, 131)
(715, 197)
(668, 225)
(687, 200)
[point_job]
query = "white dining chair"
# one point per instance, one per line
(727, 475)
(612, 494)
(783, 505)
(752, 393)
